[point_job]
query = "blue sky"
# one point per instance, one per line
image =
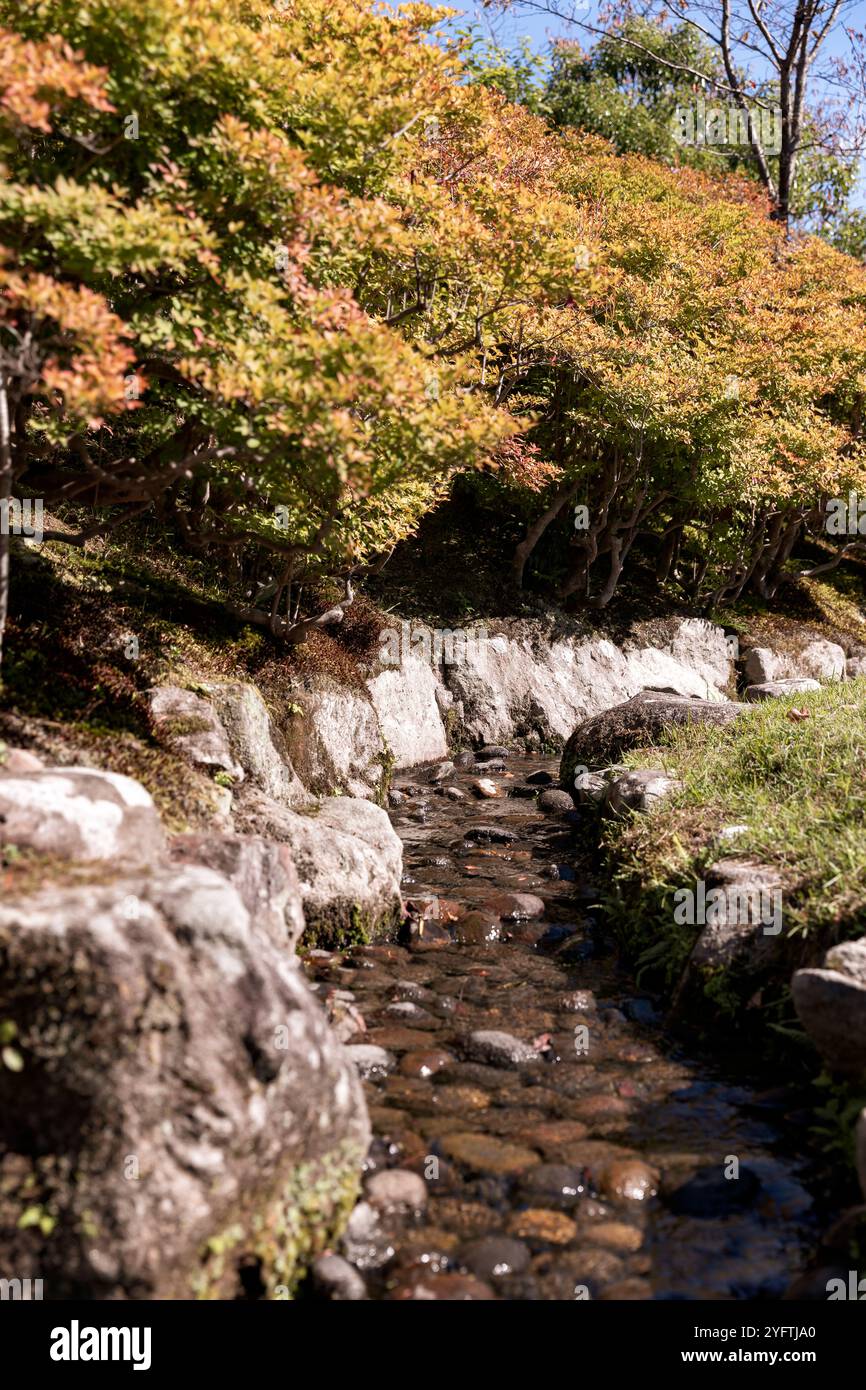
(510, 26)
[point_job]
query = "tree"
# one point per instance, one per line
(765, 57)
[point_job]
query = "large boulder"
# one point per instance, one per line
(176, 1119)
(256, 741)
(188, 724)
(819, 660)
(408, 700)
(534, 682)
(638, 722)
(333, 739)
(262, 871)
(831, 1005)
(78, 813)
(349, 861)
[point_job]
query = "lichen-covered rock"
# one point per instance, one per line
(190, 726)
(349, 861)
(640, 721)
(262, 871)
(78, 813)
(831, 1005)
(177, 1121)
(255, 741)
(334, 740)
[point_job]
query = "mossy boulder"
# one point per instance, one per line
(176, 1118)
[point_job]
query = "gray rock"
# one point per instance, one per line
(541, 778)
(80, 814)
(639, 722)
(555, 803)
(535, 680)
(370, 1061)
(499, 1049)
(190, 726)
(454, 794)
(263, 873)
(17, 760)
(831, 1005)
(255, 741)
(396, 1189)
(819, 659)
(333, 738)
(644, 789)
(743, 908)
(180, 1093)
(848, 958)
(777, 690)
(860, 1147)
(762, 664)
(855, 668)
(490, 835)
(335, 1279)
(348, 858)
(406, 699)
(823, 660)
(590, 788)
(494, 1256)
(492, 752)
(440, 772)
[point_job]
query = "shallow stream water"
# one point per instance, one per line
(591, 1160)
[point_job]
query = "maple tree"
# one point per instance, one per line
(280, 272)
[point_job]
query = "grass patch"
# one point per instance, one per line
(798, 786)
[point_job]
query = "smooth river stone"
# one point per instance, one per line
(485, 1154)
(552, 1227)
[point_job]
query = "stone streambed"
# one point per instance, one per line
(536, 1136)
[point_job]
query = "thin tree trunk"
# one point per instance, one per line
(5, 494)
(537, 528)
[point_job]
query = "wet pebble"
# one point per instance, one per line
(371, 1060)
(483, 1153)
(491, 1257)
(628, 1180)
(334, 1278)
(477, 929)
(514, 906)
(396, 1189)
(556, 1185)
(500, 1049)
(424, 1063)
(420, 1284)
(484, 787)
(538, 1224)
(492, 750)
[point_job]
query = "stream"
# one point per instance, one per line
(537, 1136)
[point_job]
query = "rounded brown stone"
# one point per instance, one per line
(485, 1154)
(554, 1227)
(615, 1235)
(629, 1180)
